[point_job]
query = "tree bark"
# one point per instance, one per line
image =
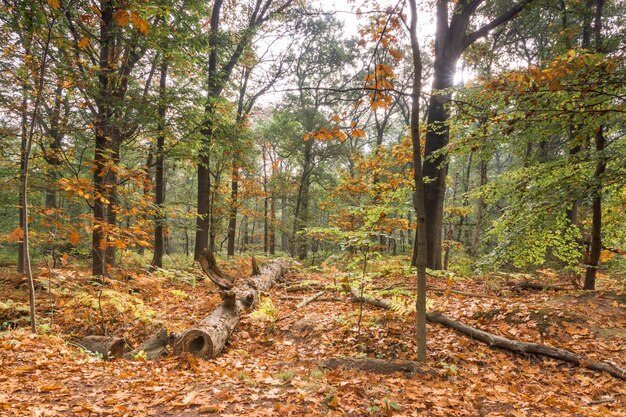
(232, 214)
(596, 209)
(419, 196)
(108, 346)
(159, 183)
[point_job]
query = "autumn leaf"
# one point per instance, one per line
(55, 4)
(139, 23)
(122, 17)
(396, 54)
(358, 133)
(83, 43)
(16, 235)
(74, 237)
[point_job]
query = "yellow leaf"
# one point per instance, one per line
(16, 235)
(74, 237)
(54, 4)
(83, 43)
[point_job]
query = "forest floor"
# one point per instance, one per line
(272, 368)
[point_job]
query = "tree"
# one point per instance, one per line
(451, 40)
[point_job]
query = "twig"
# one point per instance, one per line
(302, 304)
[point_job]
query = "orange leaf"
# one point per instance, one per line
(16, 235)
(55, 4)
(358, 133)
(122, 17)
(140, 24)
(83, 43)
(396, 54)
(74, 237)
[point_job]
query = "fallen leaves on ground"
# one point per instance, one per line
(271, 369)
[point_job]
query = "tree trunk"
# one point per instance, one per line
(272, 234)
(419, 197)
(204, 192)
(159, 183)
(596, 222)
(600, 142)
(451, 39)
(232, 215)
(479, 211)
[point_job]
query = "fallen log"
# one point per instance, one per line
(526, 285)
(505, 343)
(436, 290)
(208, 338)
(377, 366)
(107, 346)
(157, 345)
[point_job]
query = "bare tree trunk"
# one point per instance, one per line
(600, 142)
(479, 210)
(419, 193)
(159, 183)
(232, 215)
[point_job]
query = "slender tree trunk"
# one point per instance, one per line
(284, 235)
(419, 193)
(113, 198)
(479, 210)
(232, 215)
(272, 234)
(159, 183)
(265, 205)
(202, 221)
(27, 144)
(600, 143)
(21, 261)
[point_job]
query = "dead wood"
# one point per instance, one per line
(377, 366)
(108, 346)
(505, 343)
(302, 304)
(255, 267)
(210, 268)
(436, 290)
(526, 285)
(158, 345)
(208, 338)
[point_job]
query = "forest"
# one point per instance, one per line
(313, 208)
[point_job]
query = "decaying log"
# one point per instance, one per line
(377, 366)
(208, 338)
(108, 346)
(255, 267)
(302, 304)
(209, 266)
(157, 345)
(505, 343)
